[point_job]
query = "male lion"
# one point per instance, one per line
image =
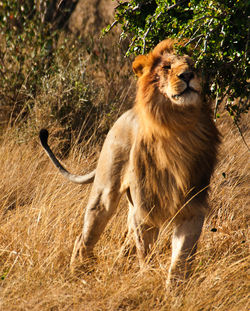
(162, 153)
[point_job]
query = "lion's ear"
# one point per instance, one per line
(139, 64)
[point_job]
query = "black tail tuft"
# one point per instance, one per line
(43, 135)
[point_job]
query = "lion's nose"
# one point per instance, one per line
(186, 76)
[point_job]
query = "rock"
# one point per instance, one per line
(90, 16)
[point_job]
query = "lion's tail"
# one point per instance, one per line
(79, 179)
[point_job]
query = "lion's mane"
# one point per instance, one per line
(176, 145)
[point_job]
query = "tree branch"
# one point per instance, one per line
(241, 134)
(154, 21)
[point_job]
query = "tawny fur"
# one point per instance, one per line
(177, 144)
(162, 153)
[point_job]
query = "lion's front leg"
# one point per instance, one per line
(145, 237)
(184, 243)
(144, 234)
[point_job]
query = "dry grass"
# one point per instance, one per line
(41, 214)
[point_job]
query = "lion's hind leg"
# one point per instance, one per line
(100, 209)
(184, 243)
(80, 256)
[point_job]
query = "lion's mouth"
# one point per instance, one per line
(187, 90)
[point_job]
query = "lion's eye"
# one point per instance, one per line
(156, 78)
(166, 67)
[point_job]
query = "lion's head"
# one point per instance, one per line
(174, 76)
(168, 83)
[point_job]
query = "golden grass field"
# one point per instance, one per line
(41, 214)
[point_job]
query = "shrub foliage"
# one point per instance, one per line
(42, 71)
(218, 32)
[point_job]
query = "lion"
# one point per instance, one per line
(161, 153)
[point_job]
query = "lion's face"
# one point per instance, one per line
(178, 80)
(174, 76)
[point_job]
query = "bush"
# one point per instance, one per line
(42, 76)
(26, 54)
(218, 33)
